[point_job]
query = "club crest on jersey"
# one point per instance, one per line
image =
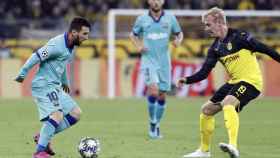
(229, 46)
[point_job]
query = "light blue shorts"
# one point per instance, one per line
(161, 77)
(50, 99)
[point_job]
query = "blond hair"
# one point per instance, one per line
(217, 13)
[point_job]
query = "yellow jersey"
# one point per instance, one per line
(237, 54)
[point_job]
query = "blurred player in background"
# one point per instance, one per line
(50, 86)
(235, 49)
(150, 35)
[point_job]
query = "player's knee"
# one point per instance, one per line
(206, 111)
(162, 96)
(153, 90)
(76, 113)
(210, 109)
(57, 116)
(153, 93)
(230, 100)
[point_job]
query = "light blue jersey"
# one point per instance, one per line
(54, 57)
(46, 85)
(155, 62)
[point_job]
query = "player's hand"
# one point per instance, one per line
(19, 79)
(181, 82)
(65, 88)
(176, 43)
(141, 49)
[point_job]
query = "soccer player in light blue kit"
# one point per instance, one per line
(150, 35)
(50, 87)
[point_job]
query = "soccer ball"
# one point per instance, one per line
(89, 147)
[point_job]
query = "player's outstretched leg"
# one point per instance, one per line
(230, 149)
(46, 133)
(68, 121)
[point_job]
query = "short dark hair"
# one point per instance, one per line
(77, 23)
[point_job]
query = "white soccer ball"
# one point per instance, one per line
(89, 147)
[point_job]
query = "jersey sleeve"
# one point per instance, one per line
(46, 52)
(256, 46)
(32, 60)
(137, 27)
(206, 68)
(175, 26)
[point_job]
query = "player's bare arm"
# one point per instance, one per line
(178, 39)
(138, 43)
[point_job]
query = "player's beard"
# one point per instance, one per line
(156, 9)
(76, 41)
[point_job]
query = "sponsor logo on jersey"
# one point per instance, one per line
(229, 59)
(157, 36)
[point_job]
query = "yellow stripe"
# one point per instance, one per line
(9, 70)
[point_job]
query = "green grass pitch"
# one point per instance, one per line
(121, 126)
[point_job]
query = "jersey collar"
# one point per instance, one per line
(66, 42)
(156, 20)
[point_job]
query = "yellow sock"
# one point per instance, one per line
(232, 123)
(207, 125)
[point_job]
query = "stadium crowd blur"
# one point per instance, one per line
(38, 16)
(14, 9)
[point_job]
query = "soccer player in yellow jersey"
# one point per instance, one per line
(235, 49)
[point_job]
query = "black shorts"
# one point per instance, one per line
(243, 91)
